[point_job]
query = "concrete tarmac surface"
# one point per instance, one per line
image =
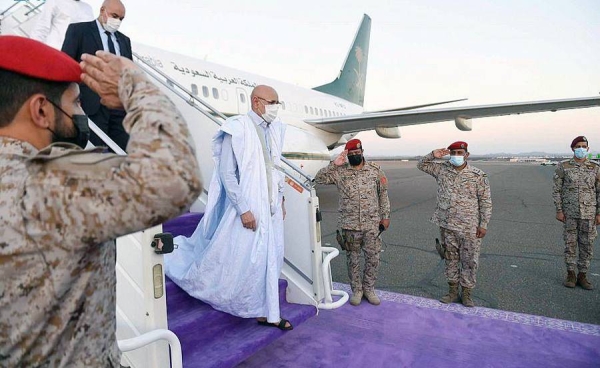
(521, 267)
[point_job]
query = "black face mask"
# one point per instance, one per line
(82, 130)
(355, 160)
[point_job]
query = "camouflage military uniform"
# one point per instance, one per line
(364, 203)
(60, 208)
(464, 203)
(576, 193)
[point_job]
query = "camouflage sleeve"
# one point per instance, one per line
(92, 198)
(559, 175)
(598, 191)
(384, 199)
(328, 175)
(484, 196)
(427, 165)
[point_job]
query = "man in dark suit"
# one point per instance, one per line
(87, 38)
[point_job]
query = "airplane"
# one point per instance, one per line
(327, 116)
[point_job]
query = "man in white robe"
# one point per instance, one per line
(52, 23)
(234, 258)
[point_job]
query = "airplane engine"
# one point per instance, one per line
(388, 132)
(464, 123)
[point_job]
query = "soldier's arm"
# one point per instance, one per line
(559, 175)
(157, 180)
(597, 193)
(328, 175)
(484, 196)
(426, 164)
(384, 199)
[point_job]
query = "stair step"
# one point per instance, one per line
(210, 338)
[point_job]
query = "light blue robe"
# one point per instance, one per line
(234, 269)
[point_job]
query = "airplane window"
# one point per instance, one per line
(311, 110)
(321, 112)
(224, 95)
(194, 90)
(216, 93)
(306, 109)
(205, 91)
(242, 98)
(283, 105)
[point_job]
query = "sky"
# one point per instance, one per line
(420, 52)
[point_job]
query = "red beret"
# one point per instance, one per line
(578, 139)
(458, 145)
(34, 59)
(353, 144)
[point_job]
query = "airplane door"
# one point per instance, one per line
(242, 100)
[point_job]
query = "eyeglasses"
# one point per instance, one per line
(269, 102)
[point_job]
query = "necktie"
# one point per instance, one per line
(111, 45)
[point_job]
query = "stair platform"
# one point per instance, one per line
(211, 338)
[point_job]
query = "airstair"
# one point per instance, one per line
(142, 327)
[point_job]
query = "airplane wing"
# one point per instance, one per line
(461, 115)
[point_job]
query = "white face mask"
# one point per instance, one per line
(112, 24)
(270, 113)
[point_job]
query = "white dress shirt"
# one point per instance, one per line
(56, 16)
(104, 38)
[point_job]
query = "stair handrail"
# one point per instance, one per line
(35, 8)
(190, 97)
(153, 336)
(13, 5)
(326, 272)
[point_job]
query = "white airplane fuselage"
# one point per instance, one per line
(228, 91)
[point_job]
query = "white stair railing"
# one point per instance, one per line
(153, 336)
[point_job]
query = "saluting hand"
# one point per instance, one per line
(560, 216)
(341, 159)
(597, 220)
(102, 73)
(441, 152)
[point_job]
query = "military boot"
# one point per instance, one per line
(356, 298)
(466, 297)
(583, 282)
(570, 280)
(452, 295)
(372, 297)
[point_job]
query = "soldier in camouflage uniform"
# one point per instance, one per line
(61, 207)
(464, 208)
(364, 211)
(576, 195)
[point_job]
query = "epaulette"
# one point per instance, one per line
(592, 163)
(478, 171)
(66, 158)
(377, 166)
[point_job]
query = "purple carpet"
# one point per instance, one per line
(210, 338)
(407, 331)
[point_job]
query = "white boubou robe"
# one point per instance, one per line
(234, 269)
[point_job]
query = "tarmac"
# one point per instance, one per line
(521, 267)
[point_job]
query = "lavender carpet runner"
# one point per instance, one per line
(408, 331)
(210, 338)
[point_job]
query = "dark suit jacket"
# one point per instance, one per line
(84, 38)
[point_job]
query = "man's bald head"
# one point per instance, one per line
(113, 9)
(263, 90)
(261, 96)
